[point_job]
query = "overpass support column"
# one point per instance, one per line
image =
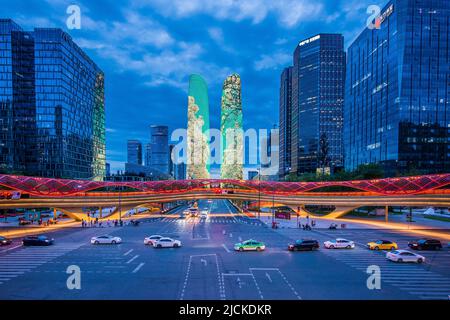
(100, 212)
(54, 213)
(386, 213)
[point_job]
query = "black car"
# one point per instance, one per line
(302, 245)
(425, 244)
(37, 241)
(4, 241)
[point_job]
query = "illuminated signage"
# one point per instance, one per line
(386, 13)
(309, 40)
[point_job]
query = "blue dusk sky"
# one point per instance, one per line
(148, 49)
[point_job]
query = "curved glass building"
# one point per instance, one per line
(231, 129)
(198, 129)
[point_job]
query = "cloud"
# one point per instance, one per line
(272, 61)
(141, 45)
(216, 34)
(288, 12)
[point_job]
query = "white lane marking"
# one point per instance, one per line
(132, 259)
(231, 235)
(128, 252)
(138, 267)
(268, 277)
(240, 239)
(12, 248)
(225, 247)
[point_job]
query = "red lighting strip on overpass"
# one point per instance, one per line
(63, 187)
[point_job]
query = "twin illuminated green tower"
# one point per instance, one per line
(198, 151)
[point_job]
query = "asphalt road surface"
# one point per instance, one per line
(206, 267)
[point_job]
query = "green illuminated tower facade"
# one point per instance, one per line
(198, 129)
(231, 129)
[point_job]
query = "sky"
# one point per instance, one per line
(148, 48)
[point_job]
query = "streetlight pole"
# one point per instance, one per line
(259, 192)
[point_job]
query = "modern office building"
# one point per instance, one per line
(231, 129)
(198, 150)
(159, 141)
(108, 169)
(397, 109)
(179, 171)
(134, 152)
(52, 111)
(148, 154)
(285, 109)
(318, 77)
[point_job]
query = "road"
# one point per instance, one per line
(206, 267)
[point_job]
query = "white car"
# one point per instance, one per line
(339, 244)
(404, 256)
(167, 243)
(150, 240)
(204, 214)
(105, 240)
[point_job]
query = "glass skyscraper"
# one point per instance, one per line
(285, 122)
(134, 152)
(231, 129)
(397, 90)
(159, 159)
(52, 111)
(318, 77)
(198, 152)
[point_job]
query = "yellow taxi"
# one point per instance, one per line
(382, 245)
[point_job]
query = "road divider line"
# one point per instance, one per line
(12, 248)
(128, 252)
(225, 247)
(138, 267)
(132, 259)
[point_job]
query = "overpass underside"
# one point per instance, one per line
(73, 205)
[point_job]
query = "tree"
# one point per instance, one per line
(322, 157)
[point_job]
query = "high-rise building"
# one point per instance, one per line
(231, 129)
(148, 154)
(397, 109)
(159, 140)
(198, 151)
(285, 122)
(134, 152)
(18, 126)
(52, 107)
(318, 77)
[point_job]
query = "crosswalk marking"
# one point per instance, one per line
(16, 263)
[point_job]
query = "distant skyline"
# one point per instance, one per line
(148, 49)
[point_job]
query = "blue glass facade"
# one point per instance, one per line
(159, 159)
(17, 100)
(285, 122)
(58, 113)
(397, 90)
(134, 152)
(318, 78)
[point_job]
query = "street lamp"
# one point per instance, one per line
(259, 192)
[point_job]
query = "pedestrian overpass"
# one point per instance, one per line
(73, 196)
